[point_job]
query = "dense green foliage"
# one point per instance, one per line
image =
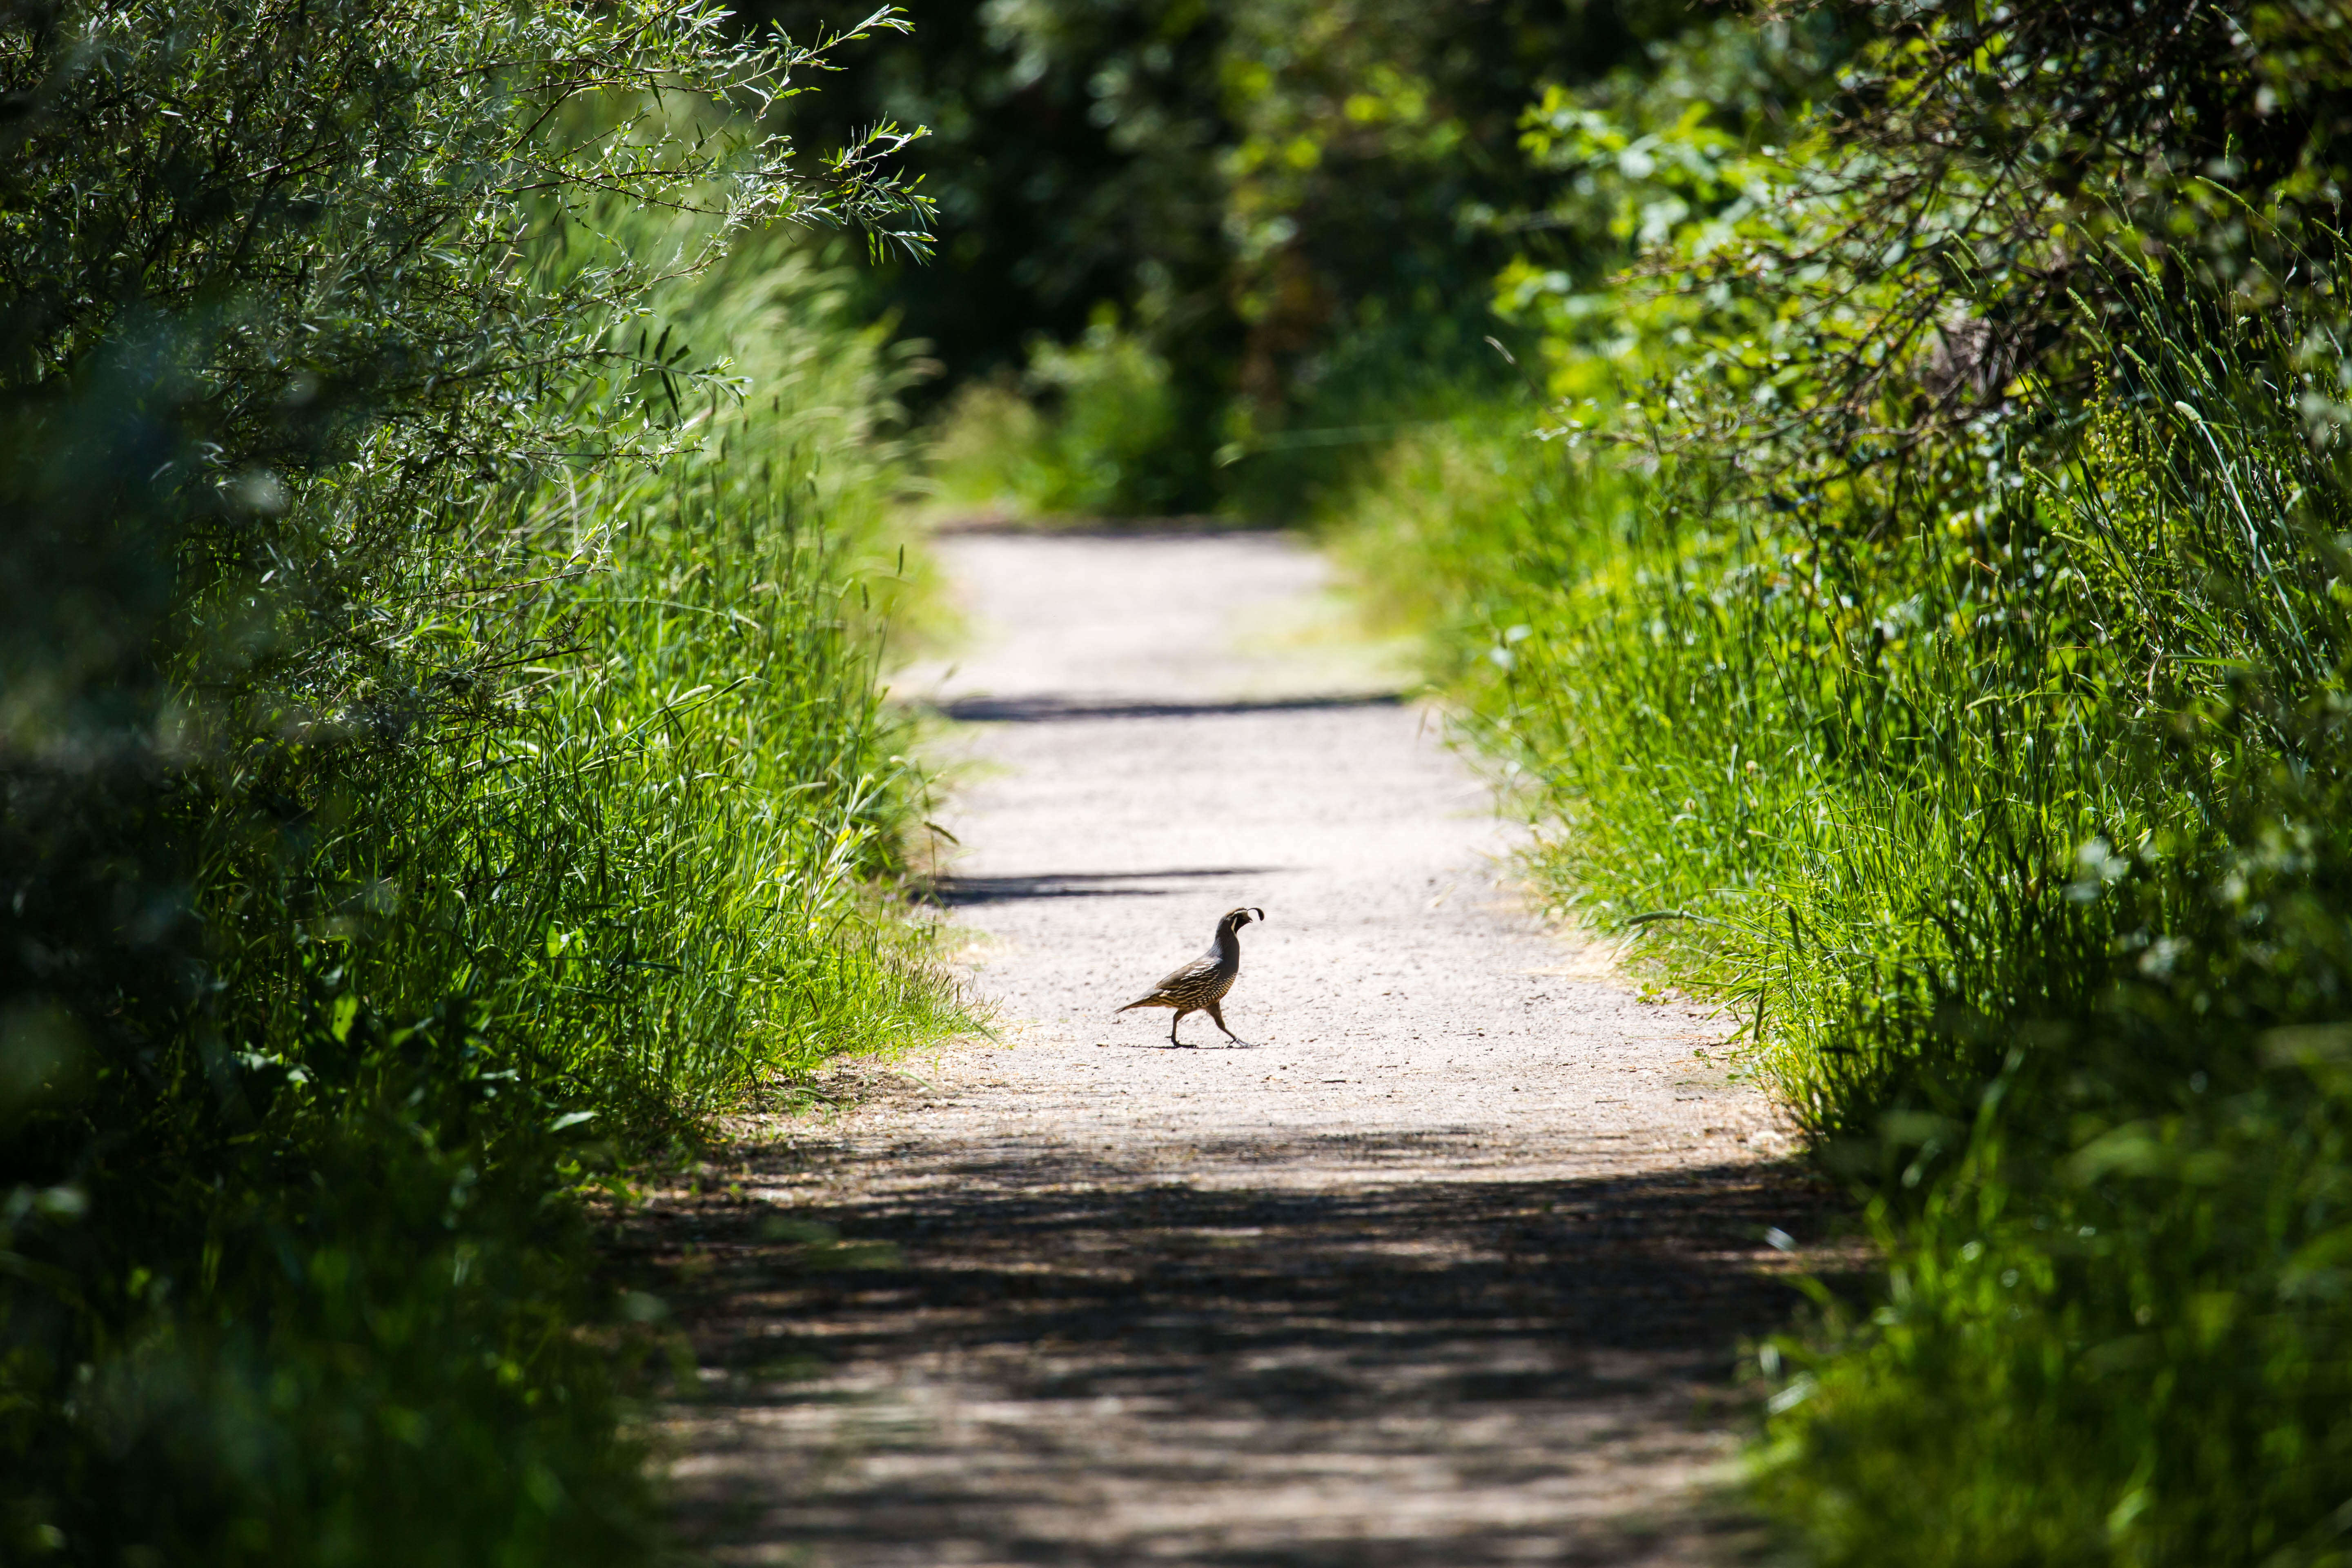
(439, 755)
(439, 744)
(1927, 624)
(1264, 232)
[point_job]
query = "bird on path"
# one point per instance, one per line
(1200, 985)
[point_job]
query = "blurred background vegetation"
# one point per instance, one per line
(1203, 254)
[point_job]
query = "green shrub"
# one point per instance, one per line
(1258, 191)
(439, 749)
(2002, 790)
(1929, 632)
(1086, 432)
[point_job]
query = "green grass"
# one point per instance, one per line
(2004, 798)
(441, 757)
(1088, 431)
(1092, 431)
(300, 1274)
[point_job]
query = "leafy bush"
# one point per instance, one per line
(1277, 200)
(439, 744)
(1940, 652)
(1088, 431)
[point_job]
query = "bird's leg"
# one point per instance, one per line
(1218, 1013)
(1179, 1018)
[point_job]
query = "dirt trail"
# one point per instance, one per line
(1445, 1268)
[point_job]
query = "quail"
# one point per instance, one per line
(1201, 984)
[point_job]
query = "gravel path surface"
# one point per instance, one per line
(1446, 1266)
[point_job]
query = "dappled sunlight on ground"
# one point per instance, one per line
(1042, 1353)
(1446, 1263)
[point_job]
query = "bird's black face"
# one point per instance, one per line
(1240, 918)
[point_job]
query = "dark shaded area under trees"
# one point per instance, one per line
(1300, 206)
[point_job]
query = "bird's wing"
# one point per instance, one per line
(1177, 982)
(1191, 974)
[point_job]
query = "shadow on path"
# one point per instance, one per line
(1055, 709)
(1047, 1357)
(956, 891)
